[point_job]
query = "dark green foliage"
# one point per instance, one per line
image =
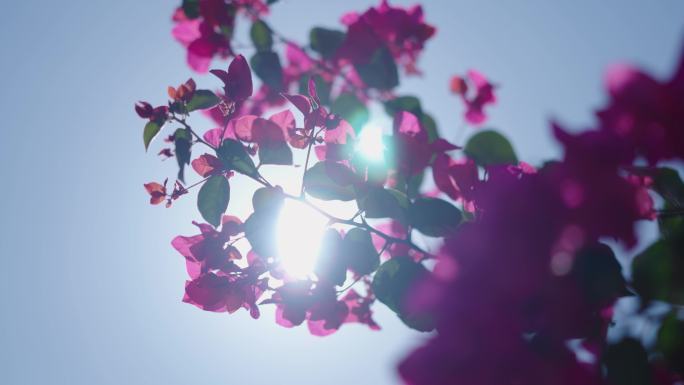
(266, 65)
(359, 251)
(201, 100)
(381, 71)
(183, 144)
(626, 363)
(489, 148)
(434, 217)
(234, 157)
(326, 41)
(392, 283)
(330, 181)
(261, 36)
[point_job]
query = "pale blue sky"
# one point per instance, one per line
(91, 287)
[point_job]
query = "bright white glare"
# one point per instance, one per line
(370, 143)
(298, 235)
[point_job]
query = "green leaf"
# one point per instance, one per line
(658, 274)
(381, 71)
(351, 109)
(393, 281)
(671, 226)
(599, 274)
(326, 41)
(670, 341)
(268, 199)
(626, 363)
(404, 103)
(234, 157)
(183, 144)
(414, 183)
(434, 217)
(488, 148)
(150, 132)
(266, 65)
(330, 181)
(191, 8)
(360, 253)
(201, 100)
(378, 202)
(212, 199)
(275, 153)
(261, 36)
(330, 264)
(430, 126)
(260, 231)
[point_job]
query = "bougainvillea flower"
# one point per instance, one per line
(237, 80)
(481, 94)
(298, 63)
(292, 300)
(201, 42)
(178, 191)
(208, 250)
(359, 309)
(645, 112)
(184, 92)
(154, 114)
(219, 292)
(216, 135)
(413, 148)
(157, 192)
(457, 179)
(600, 200)
(339, 142)
(403, 31)
(204, 37)
(327, 313)
(207, 165)
(397, 230)
(166, 153)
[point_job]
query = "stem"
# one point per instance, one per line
(308, 155)
(670, 213)
(333, 219)
(187, 127)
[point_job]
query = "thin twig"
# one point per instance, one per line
(187, 127)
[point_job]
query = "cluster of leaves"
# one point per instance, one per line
(521, 269)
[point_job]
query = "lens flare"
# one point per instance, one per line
(298, 235)
(370, 143)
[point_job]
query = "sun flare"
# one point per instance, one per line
(370, 143)
(299, 233)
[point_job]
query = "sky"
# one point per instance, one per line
(91, 286)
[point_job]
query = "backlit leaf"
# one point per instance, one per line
(351, 109)
(378, 202)
(261, 36)
(212, 199)
(434, 217)
(488, 148)
(150, 132)
(183, 143)
(266, 65)
(201, 100)
(359, 251)
(275, 153)
(392, 283)
(381, 71)
(325, 41)
(330, 181)
(234, 157)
